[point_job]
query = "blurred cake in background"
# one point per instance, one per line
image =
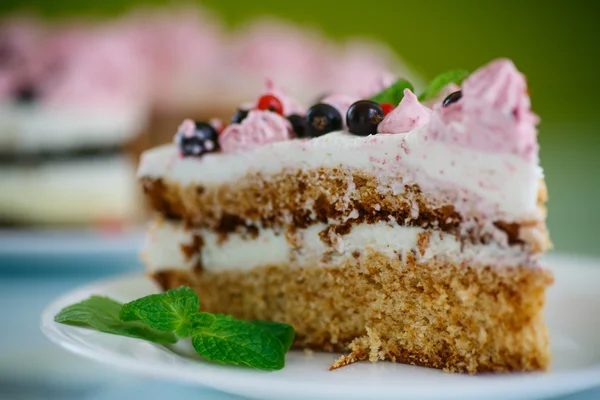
(304, 63)
(182, 50)
(81, 99)
(232, 67)
(71, 100)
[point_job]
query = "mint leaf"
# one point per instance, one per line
(102, 314)
(441, 81)
(168, 311)
(283, 332)
(199, 321)
(393, 94)
(231, 341)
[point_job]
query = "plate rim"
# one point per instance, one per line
(212, 375)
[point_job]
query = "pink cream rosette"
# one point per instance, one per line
(258, 128)
(493, 114)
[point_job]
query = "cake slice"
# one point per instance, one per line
(412, 236)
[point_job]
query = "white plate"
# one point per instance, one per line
(572, 315)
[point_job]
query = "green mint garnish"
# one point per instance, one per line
(283, 332)
(216, 337)
(441, 81)
(169, 311)
(102, 314)
(238, 342)
(393, 94)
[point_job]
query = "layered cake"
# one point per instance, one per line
(384, 231)
(72, 100)
(183, 58)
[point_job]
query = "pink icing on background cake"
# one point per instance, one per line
(93, 84)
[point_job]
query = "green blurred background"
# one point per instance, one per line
(555, 43)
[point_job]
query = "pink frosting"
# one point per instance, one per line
(448, 89)
(85, 65)
(21, 46)
(409, 115)
(341, 102)
(376, 84)
(96, 67)
(180, 47)
(258, 128)
(217, 124)
(290, 105)
(493, 114)
(187, 128)
(361, 68)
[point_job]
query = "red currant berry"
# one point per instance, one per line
(387, 108)
(270, 103)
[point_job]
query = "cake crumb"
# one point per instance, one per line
(375, 345)
(351, 358)
(423, 242)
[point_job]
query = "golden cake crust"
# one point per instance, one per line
(458, 317)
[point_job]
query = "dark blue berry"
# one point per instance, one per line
(239, 116)
(26, 94)
(299, 124)
(204, 140)
(452, 98)
(321, 119)
(363, 117)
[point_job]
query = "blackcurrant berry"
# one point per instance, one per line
(452, 98)
(239, 116)
(204, 139)
(26, 94)
(321, 119)
(299, 124)
(363, 117)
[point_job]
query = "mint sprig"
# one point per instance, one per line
(216, 337)
(238, 342)
(441, 81)
(169, 311)
(393, 94)
(283, 332)
(102, 313)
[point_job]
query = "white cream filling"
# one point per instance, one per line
(163, 248)
(503, 185)
(70, 191)
(30, 129)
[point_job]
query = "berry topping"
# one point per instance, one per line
(196, 138)
(270, 103)
(217, 124)
(321, 119)
(363, 117)
(26, 94)
(452, 98)
(239, 116)
(299, 125)
(387, 108)
(260, 127)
